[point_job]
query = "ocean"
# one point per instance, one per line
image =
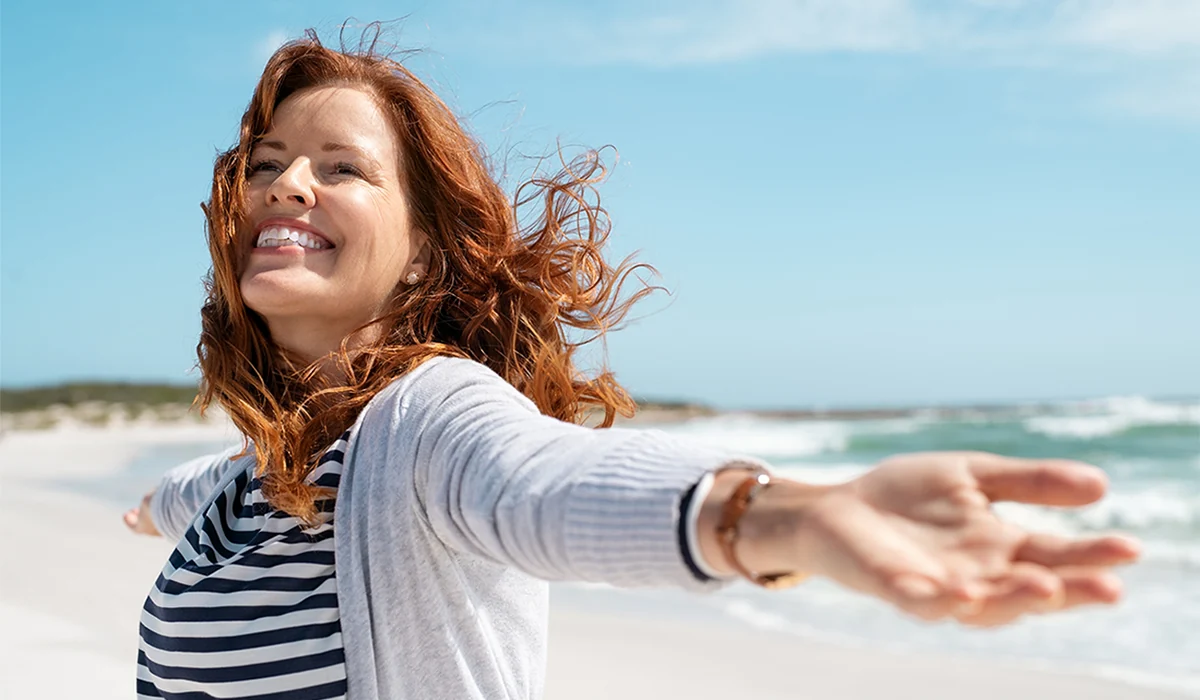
(1151, 452)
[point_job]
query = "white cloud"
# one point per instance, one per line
(1145, 51)
(740, 29)
(743, 30)
(715, 32)
(1148, 27)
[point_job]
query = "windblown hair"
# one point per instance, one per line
(518, 297)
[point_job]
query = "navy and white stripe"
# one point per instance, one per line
(246, 607)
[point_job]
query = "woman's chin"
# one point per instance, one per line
(269, 297)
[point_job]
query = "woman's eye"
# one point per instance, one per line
(347, 169)
(264, 165)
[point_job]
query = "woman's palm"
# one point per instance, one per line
(918, 530)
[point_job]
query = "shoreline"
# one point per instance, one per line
(117, 414)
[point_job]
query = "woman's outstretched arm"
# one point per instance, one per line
(496, 479)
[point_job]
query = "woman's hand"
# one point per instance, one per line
(138, 519)
(918, 531)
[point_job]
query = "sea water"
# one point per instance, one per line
(1151, 452)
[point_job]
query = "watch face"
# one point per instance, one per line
(780, 581)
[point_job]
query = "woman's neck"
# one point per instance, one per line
(309, 342)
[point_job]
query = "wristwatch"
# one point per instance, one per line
(727, 533)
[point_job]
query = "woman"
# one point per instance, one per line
(393, 342)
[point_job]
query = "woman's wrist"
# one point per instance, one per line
(772, 534)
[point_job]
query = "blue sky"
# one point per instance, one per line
(853, 202)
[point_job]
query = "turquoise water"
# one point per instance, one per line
(1151, 452)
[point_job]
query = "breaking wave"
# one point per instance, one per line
(1113, 415)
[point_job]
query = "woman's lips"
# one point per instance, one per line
(290, 233)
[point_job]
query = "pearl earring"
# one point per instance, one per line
(412, 278)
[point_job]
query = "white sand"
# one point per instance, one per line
(596, 656)
(74, 580)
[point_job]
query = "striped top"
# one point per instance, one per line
(246, 606)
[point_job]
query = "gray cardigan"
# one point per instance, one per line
(458, 501)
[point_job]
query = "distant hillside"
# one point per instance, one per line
(74, 394)
(151, 395)
(135, 398)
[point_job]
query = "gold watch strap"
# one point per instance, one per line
(727, 532)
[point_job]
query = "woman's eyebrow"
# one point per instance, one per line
(335, 146)
(328, 147)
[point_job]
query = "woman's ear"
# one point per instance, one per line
(420, 262)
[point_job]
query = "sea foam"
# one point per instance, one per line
(1112, 415)
(765, 437)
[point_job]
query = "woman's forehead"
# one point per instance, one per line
(345, 116)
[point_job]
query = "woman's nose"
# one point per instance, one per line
(293, 185)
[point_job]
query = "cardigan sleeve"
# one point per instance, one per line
(497, 479)
(184, 490)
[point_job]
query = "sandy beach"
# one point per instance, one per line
(74, 581)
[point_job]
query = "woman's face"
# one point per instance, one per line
(327, 223)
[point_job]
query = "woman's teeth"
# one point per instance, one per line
(277, 236)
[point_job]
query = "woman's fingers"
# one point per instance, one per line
(1051, 482)
(138, 519)
(1027, 588)
(932, 601)
(1089, 585)
(135, 522)
(1055, 551)
(1032, 589)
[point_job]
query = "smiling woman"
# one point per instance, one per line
(395, 348)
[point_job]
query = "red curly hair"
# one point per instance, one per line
(501, 292)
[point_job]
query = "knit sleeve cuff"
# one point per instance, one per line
(622, 523)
